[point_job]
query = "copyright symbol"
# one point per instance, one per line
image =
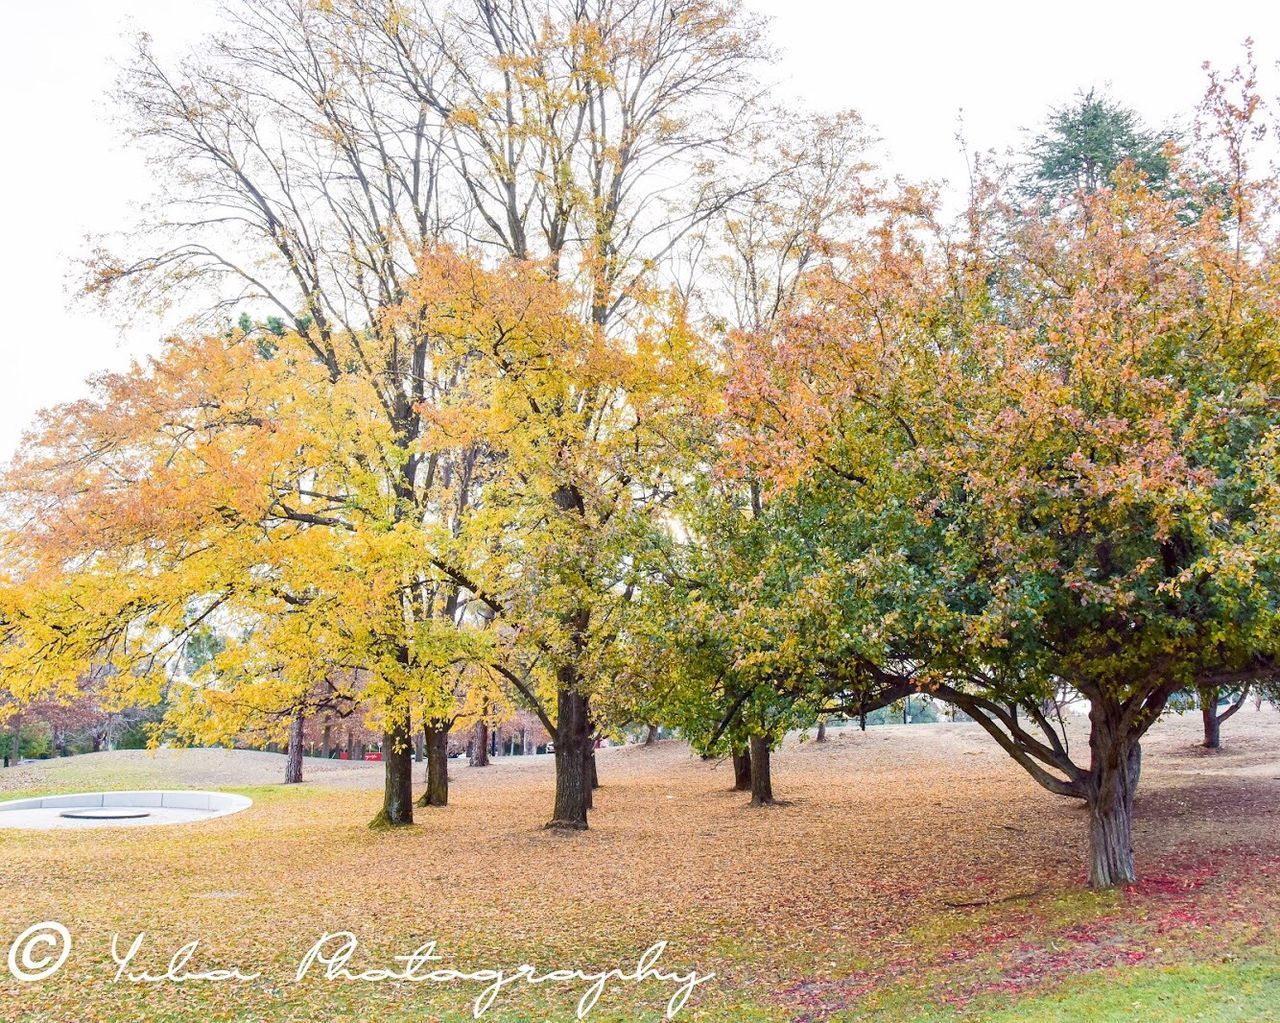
(39, 951)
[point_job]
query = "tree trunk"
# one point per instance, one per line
(480, 745)
(351, 745)
(761, 782)
(651, 736)
(822, 730)
(15, 743)
(592, 778)
(293, 765)
(326, 740)
(1209, 717)
(397, 764)
(573, 716)
(436, 737)
(572, 739)
(1114, 770)
(742, 770)
(419, 749)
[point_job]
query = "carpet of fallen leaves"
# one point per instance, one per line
(904, 866)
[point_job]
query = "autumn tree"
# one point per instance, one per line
(228, 477)
(1055, 440)
(309, 153)
(749, 637)
(584, 428)
(763, 627)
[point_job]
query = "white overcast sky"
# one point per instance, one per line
(909, 67)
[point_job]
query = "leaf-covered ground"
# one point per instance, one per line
(911, 873)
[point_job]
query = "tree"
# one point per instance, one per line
(222, 481)
(756, 655)
(1055, 452)
(757, 619)
(1210, 698)
(583, 429)
(312, 152)
(1083, 144)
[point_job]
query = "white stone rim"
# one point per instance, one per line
(202, 805)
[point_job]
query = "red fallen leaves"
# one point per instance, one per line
(1182, 899)
(1180, 903)
(1171, 884)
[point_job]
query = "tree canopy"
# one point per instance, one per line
(548, 399)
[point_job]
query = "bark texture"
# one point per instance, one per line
(436, 740)
(1113, 777)
(293, 765)
(742, 770)
(761, 782)
(480, 745)
(572, 738)
(397, 763)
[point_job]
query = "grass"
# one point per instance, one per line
(854, 902)
(1244, 991)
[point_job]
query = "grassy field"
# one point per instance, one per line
(911, 873)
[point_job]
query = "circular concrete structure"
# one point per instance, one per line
(119, 809)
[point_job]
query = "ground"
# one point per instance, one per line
(910, 873)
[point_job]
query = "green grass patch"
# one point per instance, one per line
(1247, 991)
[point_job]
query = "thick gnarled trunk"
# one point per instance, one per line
(293, 765)
(1116, 761)
(761, 780)
(397, 763)
(573, 741)
(436, 740)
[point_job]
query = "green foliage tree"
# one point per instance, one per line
(1085, 142)
(762, 622)
(1058, 446)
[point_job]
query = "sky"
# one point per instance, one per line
(914, 70)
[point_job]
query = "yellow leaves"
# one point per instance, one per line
(465, 117)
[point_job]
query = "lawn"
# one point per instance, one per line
(911, 873)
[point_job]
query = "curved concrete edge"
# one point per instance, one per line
(217, 804)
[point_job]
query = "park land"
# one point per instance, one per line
(907, 873)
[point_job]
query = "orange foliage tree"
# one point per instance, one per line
(1053, 442)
